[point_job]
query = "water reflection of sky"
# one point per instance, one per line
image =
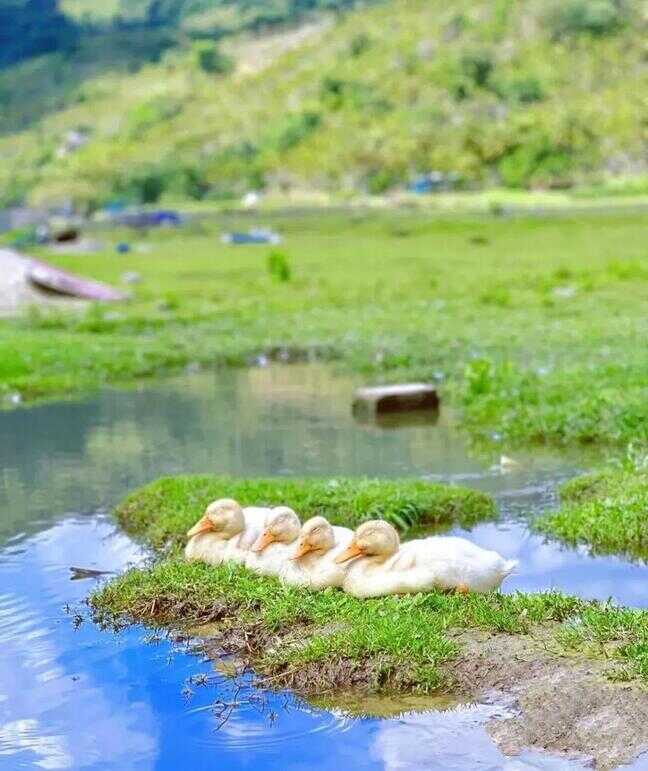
(84, 699)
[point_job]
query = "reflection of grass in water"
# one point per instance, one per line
(552, 366)
(386, 705)
(607, 510)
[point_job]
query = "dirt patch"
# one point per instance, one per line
(564, 704)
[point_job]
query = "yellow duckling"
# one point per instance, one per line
(225, 533)
(384, 567)
(312, 563)
(272, 548)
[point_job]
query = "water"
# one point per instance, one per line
(78, 698)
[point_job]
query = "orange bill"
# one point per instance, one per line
(203, 525)
(265, 539)
(303, 548)
(352, 550)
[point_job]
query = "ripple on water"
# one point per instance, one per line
(261, 722)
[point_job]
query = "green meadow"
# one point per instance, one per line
(533, 327)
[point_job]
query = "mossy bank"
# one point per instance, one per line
(161, 513)
(327, 642)
(606, 510)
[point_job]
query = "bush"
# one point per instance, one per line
(278, 266)
(209, 59)
(523, 90)
(381, 180)
(593, 17)
(296, 128)
(477, 67)
(359, 44)
(148, 114)
(536, 159)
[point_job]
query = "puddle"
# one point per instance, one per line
(63, 465)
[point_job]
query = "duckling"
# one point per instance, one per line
(386, 567)
(225, 533)
(271, 549)
(312, 563)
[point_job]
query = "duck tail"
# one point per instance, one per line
(509, 567)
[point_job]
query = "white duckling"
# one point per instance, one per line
(386, 567)
(272, 548)
(225, 533)
(312, 563)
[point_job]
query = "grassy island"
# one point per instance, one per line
(606, 510)
(328, 640)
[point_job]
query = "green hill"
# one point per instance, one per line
(525, 94)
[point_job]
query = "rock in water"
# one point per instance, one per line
(395, 398)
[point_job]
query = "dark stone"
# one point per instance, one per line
(404, 397)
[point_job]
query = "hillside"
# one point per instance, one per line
(524, 94)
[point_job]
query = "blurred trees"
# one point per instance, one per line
(32, 27)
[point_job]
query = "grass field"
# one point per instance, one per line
(533, 327)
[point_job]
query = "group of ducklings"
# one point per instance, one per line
(370, 562)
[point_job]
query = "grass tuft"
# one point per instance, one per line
(163, 511)
(606, 510)
(314, 640)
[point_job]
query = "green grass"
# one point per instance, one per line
(607, 511)
(616, 633)
(532, 327)
(320, 641)
(493, 92)
(392, 643)
(163, 511)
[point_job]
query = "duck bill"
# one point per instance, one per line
(352, 550)
(264, 540)
(302, 550)
(203, 525)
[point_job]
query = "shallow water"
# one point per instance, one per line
(81, 698)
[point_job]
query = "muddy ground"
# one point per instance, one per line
(561, 704)
(564, 704)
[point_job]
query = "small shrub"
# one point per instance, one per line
(296, 128)
(279, 266)
(336, 93)
(593, 17)
(381, 180)
(477, 67)
(478, 378)
(209, 59)
(150, 113)
(499, 296)
(537, 159)
(523, 90)
(359, 44)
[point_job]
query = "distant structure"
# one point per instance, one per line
(434, 182)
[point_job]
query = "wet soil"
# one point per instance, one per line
(562, 704)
